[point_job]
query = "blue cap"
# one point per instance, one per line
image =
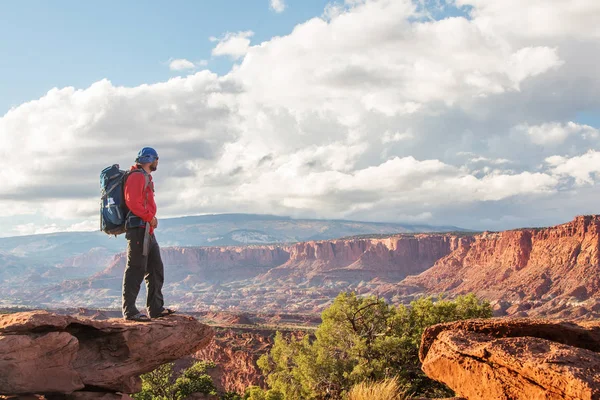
(146, 155)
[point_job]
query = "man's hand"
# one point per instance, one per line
(154, 222)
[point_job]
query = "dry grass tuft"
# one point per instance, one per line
(385, 390)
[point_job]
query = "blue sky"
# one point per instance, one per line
(484, 116)
(75, 43)
(50, 44)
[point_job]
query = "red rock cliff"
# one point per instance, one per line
(235, 352)
(521, 265)
(211, 263)
(390, 258)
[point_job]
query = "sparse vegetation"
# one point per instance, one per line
(360, 340)
(388, 389)
(164, 384)
(256, 393)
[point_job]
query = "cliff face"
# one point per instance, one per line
(214, 264)
(235, 352)
(354, 260)
(550, 271)
(528, 265)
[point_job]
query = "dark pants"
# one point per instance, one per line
(139, 267)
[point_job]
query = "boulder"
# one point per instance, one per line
(41, 352)
(514, 358)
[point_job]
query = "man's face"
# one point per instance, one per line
(154, 165)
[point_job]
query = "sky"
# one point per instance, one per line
(482, 114)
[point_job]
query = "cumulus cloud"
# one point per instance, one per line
(497, 161)
(234, 45)
(463, 121)
(584, 169)
(278, 5)
(389, 137)
(554, 133)
(180, 64)
(538, 18)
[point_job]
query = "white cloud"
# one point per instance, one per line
(278, 5)
(498, 161)
(537, 18)
(555, 133)
(389, 137)
(584, 168)
(235, 45)
(368, 113)
(388, 65)
(531, 61)
(181, 64)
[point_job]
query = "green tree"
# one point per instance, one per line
(163, 384)
(256, 393)
(359, 339)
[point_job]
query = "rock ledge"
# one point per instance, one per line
(46, 353)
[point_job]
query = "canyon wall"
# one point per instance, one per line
(354, 260)
(549, 267)
(533, 271)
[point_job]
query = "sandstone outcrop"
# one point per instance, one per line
(235, 352)
(212, 264)
(515, 358)
(263, 278)
(353, 260)
(41, 352)
(538, 271)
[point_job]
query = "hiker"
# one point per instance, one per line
(143, 252)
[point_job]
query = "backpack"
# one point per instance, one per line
(113, 210)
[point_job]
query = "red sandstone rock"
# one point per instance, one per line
(584, 335)
(559, 263)
(528, 272)
(42, 352)
(235, 352)
(514, 359)
(203, 264)
(44, 361)
(353, 260)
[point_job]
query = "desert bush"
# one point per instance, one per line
(164, 384)
(363, 339)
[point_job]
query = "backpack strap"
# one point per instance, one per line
(146, 244)
(146, 184)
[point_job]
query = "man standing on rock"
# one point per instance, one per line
(143, 252)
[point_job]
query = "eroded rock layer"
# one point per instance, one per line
(515, 358)
(41, 352)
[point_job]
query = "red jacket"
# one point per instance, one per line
(135, 196)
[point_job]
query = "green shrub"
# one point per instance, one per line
(362, 339)
(162, 384)
(256, 393)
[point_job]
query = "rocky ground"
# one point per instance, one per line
(46, 353)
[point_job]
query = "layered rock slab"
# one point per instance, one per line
(514, 358)
(41, 352)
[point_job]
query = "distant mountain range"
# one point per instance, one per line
(31, 261)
